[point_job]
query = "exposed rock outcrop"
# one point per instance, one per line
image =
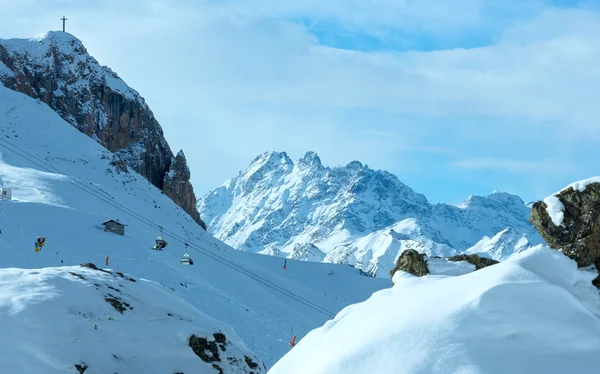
(177, 186)
(479, 262)
(412, 262)
(57, 70)
(577, 234)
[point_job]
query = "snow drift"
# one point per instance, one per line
(533, 313)
(53, 319)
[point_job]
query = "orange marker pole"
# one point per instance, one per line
(106, 260)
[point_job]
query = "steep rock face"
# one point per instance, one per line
(355, 215)
(56, 69)
(177, 187)
(570, 221)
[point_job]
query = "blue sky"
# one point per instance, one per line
(454, 97)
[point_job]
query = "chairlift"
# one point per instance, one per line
(39, 243)
(160, 242)
(186, 259)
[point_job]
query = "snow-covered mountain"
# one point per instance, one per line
(352, 215)
(533, 313)
(78, 319)
(64, 185)
(56, 69)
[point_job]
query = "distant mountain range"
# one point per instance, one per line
(355, 215)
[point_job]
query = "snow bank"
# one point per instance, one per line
(553, 205)
(533, 313)
(52, 319)
(582, 184)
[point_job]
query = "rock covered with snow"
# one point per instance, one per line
(355, 215)
(570, 221)
(89, 320)
(56, 69)
(533, 313)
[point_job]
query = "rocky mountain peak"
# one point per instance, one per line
(310, 159)
(56, 69)
(354, 165)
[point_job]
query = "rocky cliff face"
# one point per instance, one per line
(56, 69)
(177, 186)
(570, 221)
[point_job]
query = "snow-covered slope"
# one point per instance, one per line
(352, 214)
(501, 246)
(533, 313)
(51, 199)
(56, 318)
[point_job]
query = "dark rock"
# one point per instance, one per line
(97, 102)
(81, 368)
(205, 349)
(118, 305)
(92, 266)
(220, 337)
(251, 364)
(77, 275)
(217, 368)
(579, 235)
(479, 262)
(177, 186)
(412, 262)
(118, 273)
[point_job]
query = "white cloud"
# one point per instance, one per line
(228, 80)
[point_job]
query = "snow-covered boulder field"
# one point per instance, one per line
(533, 313)
(79, 319)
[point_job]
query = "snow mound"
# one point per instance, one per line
(555, 208)
(55, 318)
(533, 313)
(582, 184)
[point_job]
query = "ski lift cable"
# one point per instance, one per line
(35, 160)
(142, 219)
(200, 249)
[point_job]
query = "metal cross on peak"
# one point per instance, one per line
(64, 19)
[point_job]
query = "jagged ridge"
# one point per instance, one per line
(352, 214)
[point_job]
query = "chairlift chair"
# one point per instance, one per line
(39, 243)
(186, 259)
(160, 242)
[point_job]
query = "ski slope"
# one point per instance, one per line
(64, 187)
(533, 313)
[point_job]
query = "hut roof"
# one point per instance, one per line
(115, 221)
